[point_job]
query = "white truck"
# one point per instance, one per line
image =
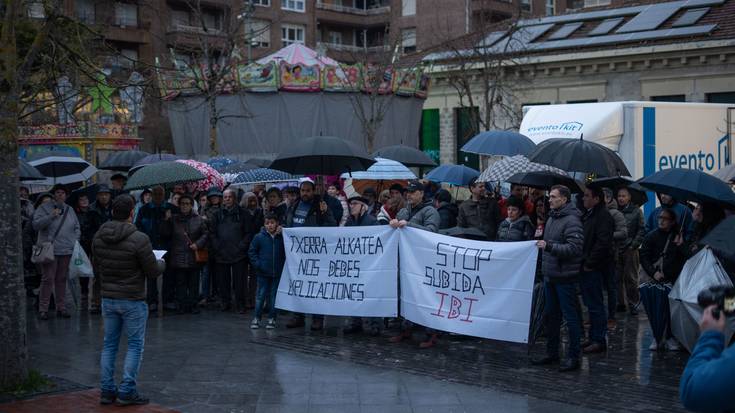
(648, 136)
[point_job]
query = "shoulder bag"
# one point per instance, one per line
(43, 252)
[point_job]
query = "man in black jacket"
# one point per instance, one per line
(231, 230)
(597, 256)
(562, 252)
(308, 211)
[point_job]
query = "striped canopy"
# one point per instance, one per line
(297, 53)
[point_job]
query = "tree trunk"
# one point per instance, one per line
(213, 125)
(14, 353)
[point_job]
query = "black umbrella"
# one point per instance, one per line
(122, 160)
(690, 185)
(28, 173)
(468, 233)
(90, 191)
(61, 167)
(260, 162)
(721, 237)
(322, 155)
(578, 155)
(406, 155)
(163, 173)
(151, 159)
(655, 299)
(538, 305)
(544, 180)
(500, 142)
(637, 192)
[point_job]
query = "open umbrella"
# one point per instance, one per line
(122, 160)
(151, 159)
(578, 155)
(383, 169)
(260, 162)
(637, 192)
(322, 155)
(406, 155)
(163, 173)
(721, 237)
(538, 305)
(690, 185)
(545, 180)
(61, 168)
(261, 175)
(726, 174)
(654, 297)
(503, 169)
(468, 233)
(700, 272)
(500, 142)
(458, 175)
(212, 178)
(28, 173)
(236, 167)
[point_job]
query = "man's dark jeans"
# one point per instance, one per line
(591, 284)
(267, 289)
(610, 277)
(561, 299)
(187, 286)
(232, 276)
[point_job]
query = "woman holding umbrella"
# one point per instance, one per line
(662, 260)
(517, 226)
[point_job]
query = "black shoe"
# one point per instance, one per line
(107, 398)
(545, 361)
(569, 365)
(352, 330)
(131, 400)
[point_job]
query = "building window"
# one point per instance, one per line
(526, 5)
(669, 98)
(264, 3)
(550, 8)
(258, 32)
(211, 21)
(408, 40)
(85, 11)
(721, 97)
(409, 7)
(179, 18)
(335, 37)
(125, 58)
(596, 3)
(126, 15)
(582, 101)
(35, 10)
(291, 33)
(293, 5)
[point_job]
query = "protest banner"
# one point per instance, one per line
(475, 288)
(348, 271)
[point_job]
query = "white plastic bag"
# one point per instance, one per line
(79, 265)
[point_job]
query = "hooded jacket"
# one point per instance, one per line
(46, 224)
(562, 257)
(423, 216)
(636, 229)
(123, 257)
(267, 254)
(519, 230)
(231, 230)
(598, 227)
(180, 231)
(447, 215)
(620, 233)
(483, 215)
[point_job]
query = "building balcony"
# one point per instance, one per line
(353, 48)
(180, 35)
(372, 11)
(124, 30)
(351, 16)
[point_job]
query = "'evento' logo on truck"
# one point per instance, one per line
(561, 128)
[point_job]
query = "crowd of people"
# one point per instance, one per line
(225, 248)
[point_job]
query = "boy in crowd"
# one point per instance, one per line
(267, 256)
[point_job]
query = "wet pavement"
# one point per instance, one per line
(213, 362)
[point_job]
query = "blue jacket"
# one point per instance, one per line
(267, 254)
(149, 220)
(708, 382)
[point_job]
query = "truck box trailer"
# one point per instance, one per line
(648, 136)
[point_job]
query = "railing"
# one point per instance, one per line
(353, 48)
(123, 21)
(193, 29)
(353, 10)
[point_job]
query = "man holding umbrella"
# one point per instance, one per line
(118, 182)
(561, 262)
(684, 215)
(308, 211)
(479, 211)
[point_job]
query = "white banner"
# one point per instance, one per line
(475, 288)
(340, 271)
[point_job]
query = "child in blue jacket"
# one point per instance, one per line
(267, 255)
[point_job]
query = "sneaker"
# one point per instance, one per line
(653, 346)
(271, 324)
(131, 400)
(254, 324)
(107, 398)
(672, 345)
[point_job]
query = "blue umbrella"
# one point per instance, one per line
(459, 175)
(690, 185)
(262, 175)
(220, 162)
(500, 142)
(655, 299)
(236, 168)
